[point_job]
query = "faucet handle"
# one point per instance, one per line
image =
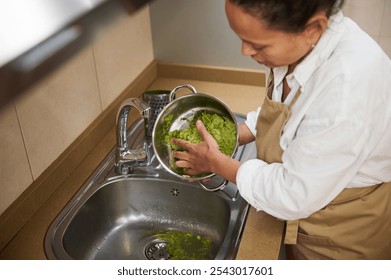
(126, 159)
(140, 105)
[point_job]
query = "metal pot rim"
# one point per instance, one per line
(167, 110)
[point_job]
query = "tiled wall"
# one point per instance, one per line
(37, 127)
(374, 17)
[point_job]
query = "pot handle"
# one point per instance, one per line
(218, 188)
(173, 92)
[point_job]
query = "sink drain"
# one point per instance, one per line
(157, 251)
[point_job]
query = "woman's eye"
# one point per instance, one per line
(258, 48)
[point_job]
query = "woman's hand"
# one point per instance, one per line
(197, 158)
(205, 157)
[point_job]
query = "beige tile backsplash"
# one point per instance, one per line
(44, 121)
(15, 172)
(122, 55)
(58, 109)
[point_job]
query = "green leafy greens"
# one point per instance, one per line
(186, 245)
(221, 128)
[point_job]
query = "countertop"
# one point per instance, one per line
(262, 234)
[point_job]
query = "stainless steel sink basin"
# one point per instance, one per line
(121, 217)
(122, 220)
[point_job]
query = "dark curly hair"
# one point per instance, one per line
(288, 15)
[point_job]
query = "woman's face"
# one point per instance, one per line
(269, 47)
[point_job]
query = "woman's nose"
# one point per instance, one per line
(248, 49)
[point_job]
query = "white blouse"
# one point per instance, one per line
(339, 133)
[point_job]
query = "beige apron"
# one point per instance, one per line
(355, 225)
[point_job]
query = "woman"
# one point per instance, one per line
(323, 133)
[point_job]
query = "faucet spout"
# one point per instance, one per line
(126, 159)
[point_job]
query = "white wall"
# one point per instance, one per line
(197, 31)
(374, 17)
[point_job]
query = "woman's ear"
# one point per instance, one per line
(315, 27)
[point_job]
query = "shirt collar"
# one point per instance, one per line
(321, 52)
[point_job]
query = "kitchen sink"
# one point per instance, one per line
(123, 216)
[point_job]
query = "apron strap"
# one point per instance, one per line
(291, 231)
(270, 86)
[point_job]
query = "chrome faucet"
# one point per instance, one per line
(127, 159)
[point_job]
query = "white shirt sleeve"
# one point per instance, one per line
(251, 120)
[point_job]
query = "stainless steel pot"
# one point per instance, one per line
(185, 107)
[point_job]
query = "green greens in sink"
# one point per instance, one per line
(186, 245)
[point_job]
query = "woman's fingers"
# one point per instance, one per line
(206, 136)
(202, 130)
(188, 168)
(180, 155)
(194, 157)
(182, 164)
(182, 143)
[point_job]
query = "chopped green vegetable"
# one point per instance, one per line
(186, 245)
(221, 128)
